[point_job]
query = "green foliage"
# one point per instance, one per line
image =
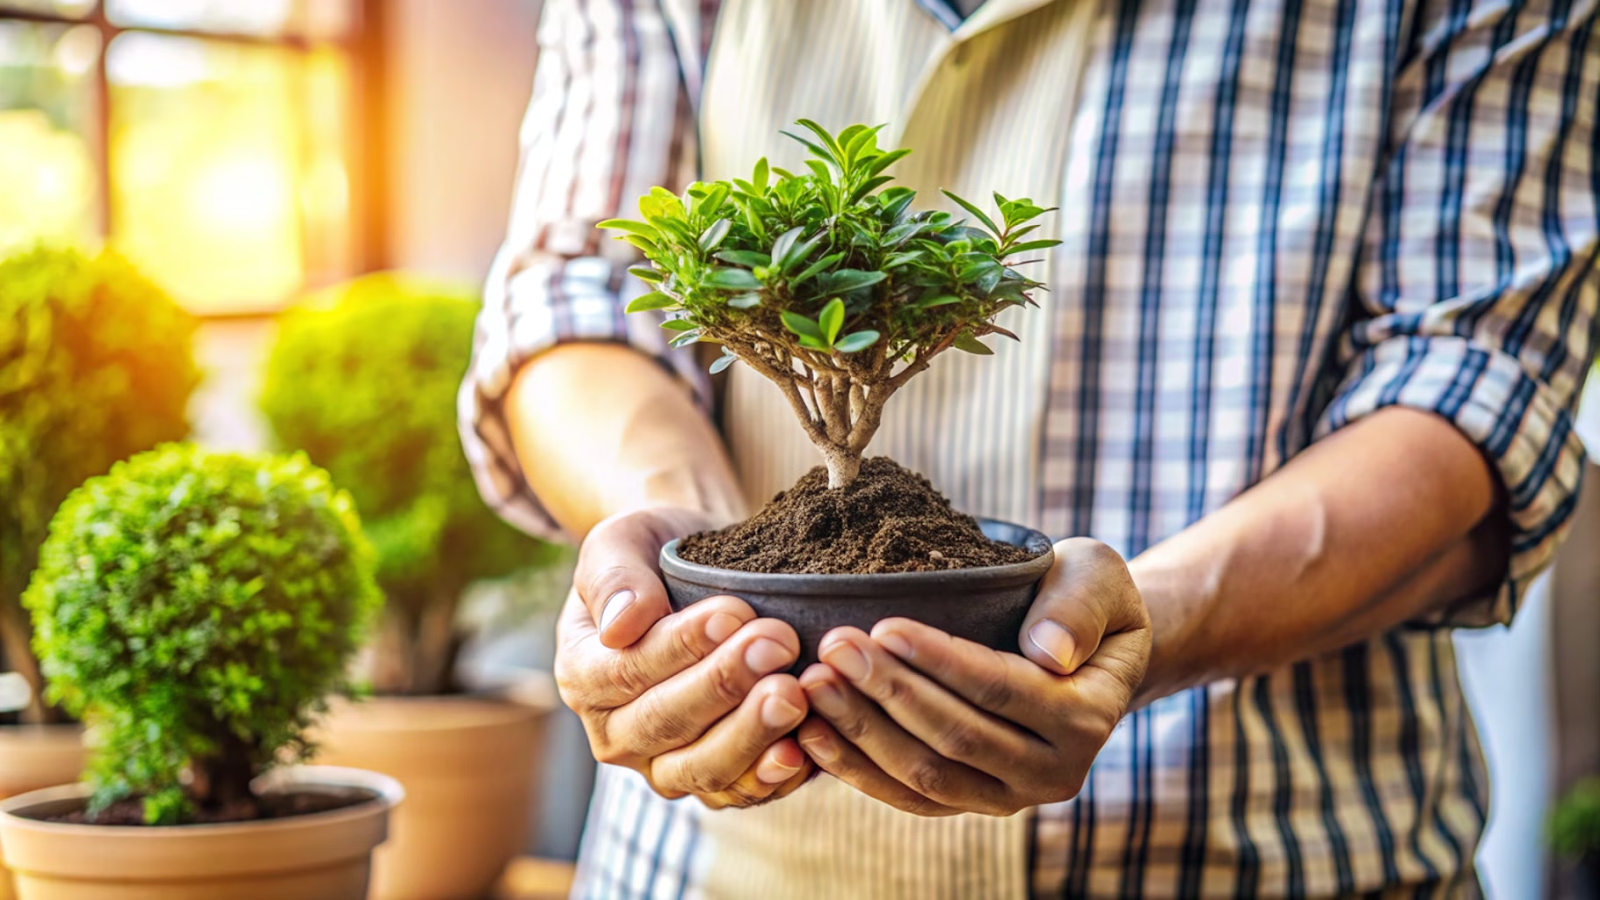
(95, 365)
(364, 379)
(825, 280)
(1575, 824)
(196, 608)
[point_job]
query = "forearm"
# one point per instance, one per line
(601, 429)
(1380, 523)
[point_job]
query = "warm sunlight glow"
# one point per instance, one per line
(208, 168)
(247, 197)
(226, 161)
(46, 182)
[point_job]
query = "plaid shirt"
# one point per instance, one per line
(1279, 216)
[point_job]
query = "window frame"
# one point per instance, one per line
(366, 153)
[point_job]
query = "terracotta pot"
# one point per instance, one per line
(324, 856)
(468, 764)
(34, 757)
(986, 605)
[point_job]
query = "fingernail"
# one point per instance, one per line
(848, 660)
(826, 698)
(777, 712)
(1055, 641)
(771, 771)
(821, 748)
(765, 655)
(721, 626)
(615, 605)
(895, 644)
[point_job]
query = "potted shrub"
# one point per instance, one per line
(829, 284)
(1575, 832)
(364, 379)
(196, 608)
(95, 365)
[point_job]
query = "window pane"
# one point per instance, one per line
(317, 18)
(47, 170)
(325, 194)
(209, 167)
(74, 8)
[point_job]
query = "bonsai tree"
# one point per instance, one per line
(196, 608)
(95, 365)
(364, 380)
(828, 283)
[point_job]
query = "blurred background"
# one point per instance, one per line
(244, 153)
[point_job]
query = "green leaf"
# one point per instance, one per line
(761, 174)
(832, 259)
(936, 300)
(722, 362)
(753, 220)
(642, 242)
(902, 233)
(976, 212)
(896, 201)
(712, 236)
(801, 325)
(989, 279)
(807, 340)
(732, 280)
(857, 341)
(747, 258)
(652, 300)
(677, 324)
(715, 197)
(867, 187)
(628, 225)
(859, 140)
(785, 241)
(886, 160)
(646, 273)
(670, 204)
(819, 152)
(683, 340)
(800, 251)
(831, 319)
(846, 280)
(746, 301)
(824, 136)
(965, 341)
(823, 170)
(1030, 246)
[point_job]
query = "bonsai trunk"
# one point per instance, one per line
(417, 645)
(14, 646)
(843, 466)
(223, 780)
(839, 406)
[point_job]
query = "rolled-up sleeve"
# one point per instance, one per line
(611, 116)
(1476, 295)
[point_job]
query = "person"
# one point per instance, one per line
(1298, 403)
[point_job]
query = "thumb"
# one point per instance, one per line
(618, 577)
(1087, 595)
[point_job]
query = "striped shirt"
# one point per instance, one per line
(1278, 217)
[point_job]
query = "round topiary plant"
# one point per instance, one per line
(95, 365)
(363, 378)
(196, 608)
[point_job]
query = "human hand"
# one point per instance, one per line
(936, 725)
(698, 701)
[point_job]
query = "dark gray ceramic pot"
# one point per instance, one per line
(985, 605)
